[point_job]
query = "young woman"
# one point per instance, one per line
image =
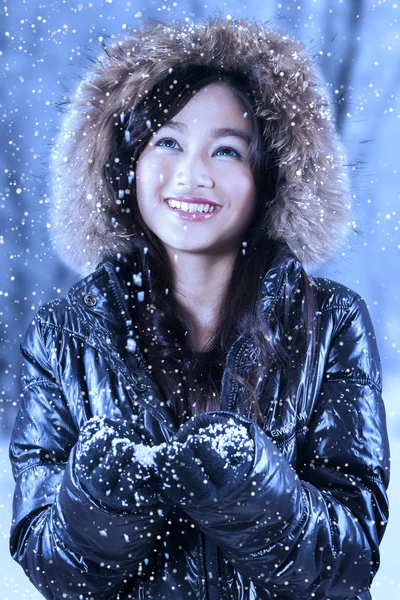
(200, 418)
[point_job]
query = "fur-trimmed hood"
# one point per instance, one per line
(312, 208)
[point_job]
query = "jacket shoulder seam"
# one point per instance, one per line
(336, 305)
(63, 330)
(361, 381)
(46, 381)
(59, 465)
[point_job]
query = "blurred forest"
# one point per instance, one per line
(44, 47)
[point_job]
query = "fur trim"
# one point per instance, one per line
(312, 209)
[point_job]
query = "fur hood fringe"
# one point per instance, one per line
(312, 209)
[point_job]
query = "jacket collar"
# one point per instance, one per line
(108, 284)
(286, 268)
(107, 321)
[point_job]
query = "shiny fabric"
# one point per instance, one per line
(306, 523)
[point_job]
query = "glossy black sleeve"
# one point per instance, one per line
(63, 540)
(316, 532)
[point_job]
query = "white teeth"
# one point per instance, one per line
(189, 207)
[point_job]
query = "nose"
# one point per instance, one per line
(192, 171)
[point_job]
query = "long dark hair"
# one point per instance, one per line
(185, 379)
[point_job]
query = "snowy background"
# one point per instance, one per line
(43, 49)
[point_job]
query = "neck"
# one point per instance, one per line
(200, 283)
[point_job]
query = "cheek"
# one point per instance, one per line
(151, 174)
(144, 182)
(241, 188)
(142, 173)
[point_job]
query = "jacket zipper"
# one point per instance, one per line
(133, 382)
(202, 559)
(242, 349)
(220, 578)
(235, 385)
(211, 567)
(123, 309)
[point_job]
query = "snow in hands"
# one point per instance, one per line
(228, 440)
(202, 458)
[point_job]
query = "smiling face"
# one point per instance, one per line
(202, 154)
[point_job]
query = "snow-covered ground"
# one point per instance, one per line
(15, 586)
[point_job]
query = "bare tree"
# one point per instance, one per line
(343, 75)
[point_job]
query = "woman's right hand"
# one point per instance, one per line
(113, 465)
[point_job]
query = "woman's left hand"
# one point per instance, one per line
(207, 458)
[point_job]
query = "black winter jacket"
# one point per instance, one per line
(322, 463)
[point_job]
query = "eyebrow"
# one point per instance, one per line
(216, 133)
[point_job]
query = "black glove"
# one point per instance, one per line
(207, 458)
(113, 465)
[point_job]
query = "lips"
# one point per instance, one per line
(192, 200)
(193, 216)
